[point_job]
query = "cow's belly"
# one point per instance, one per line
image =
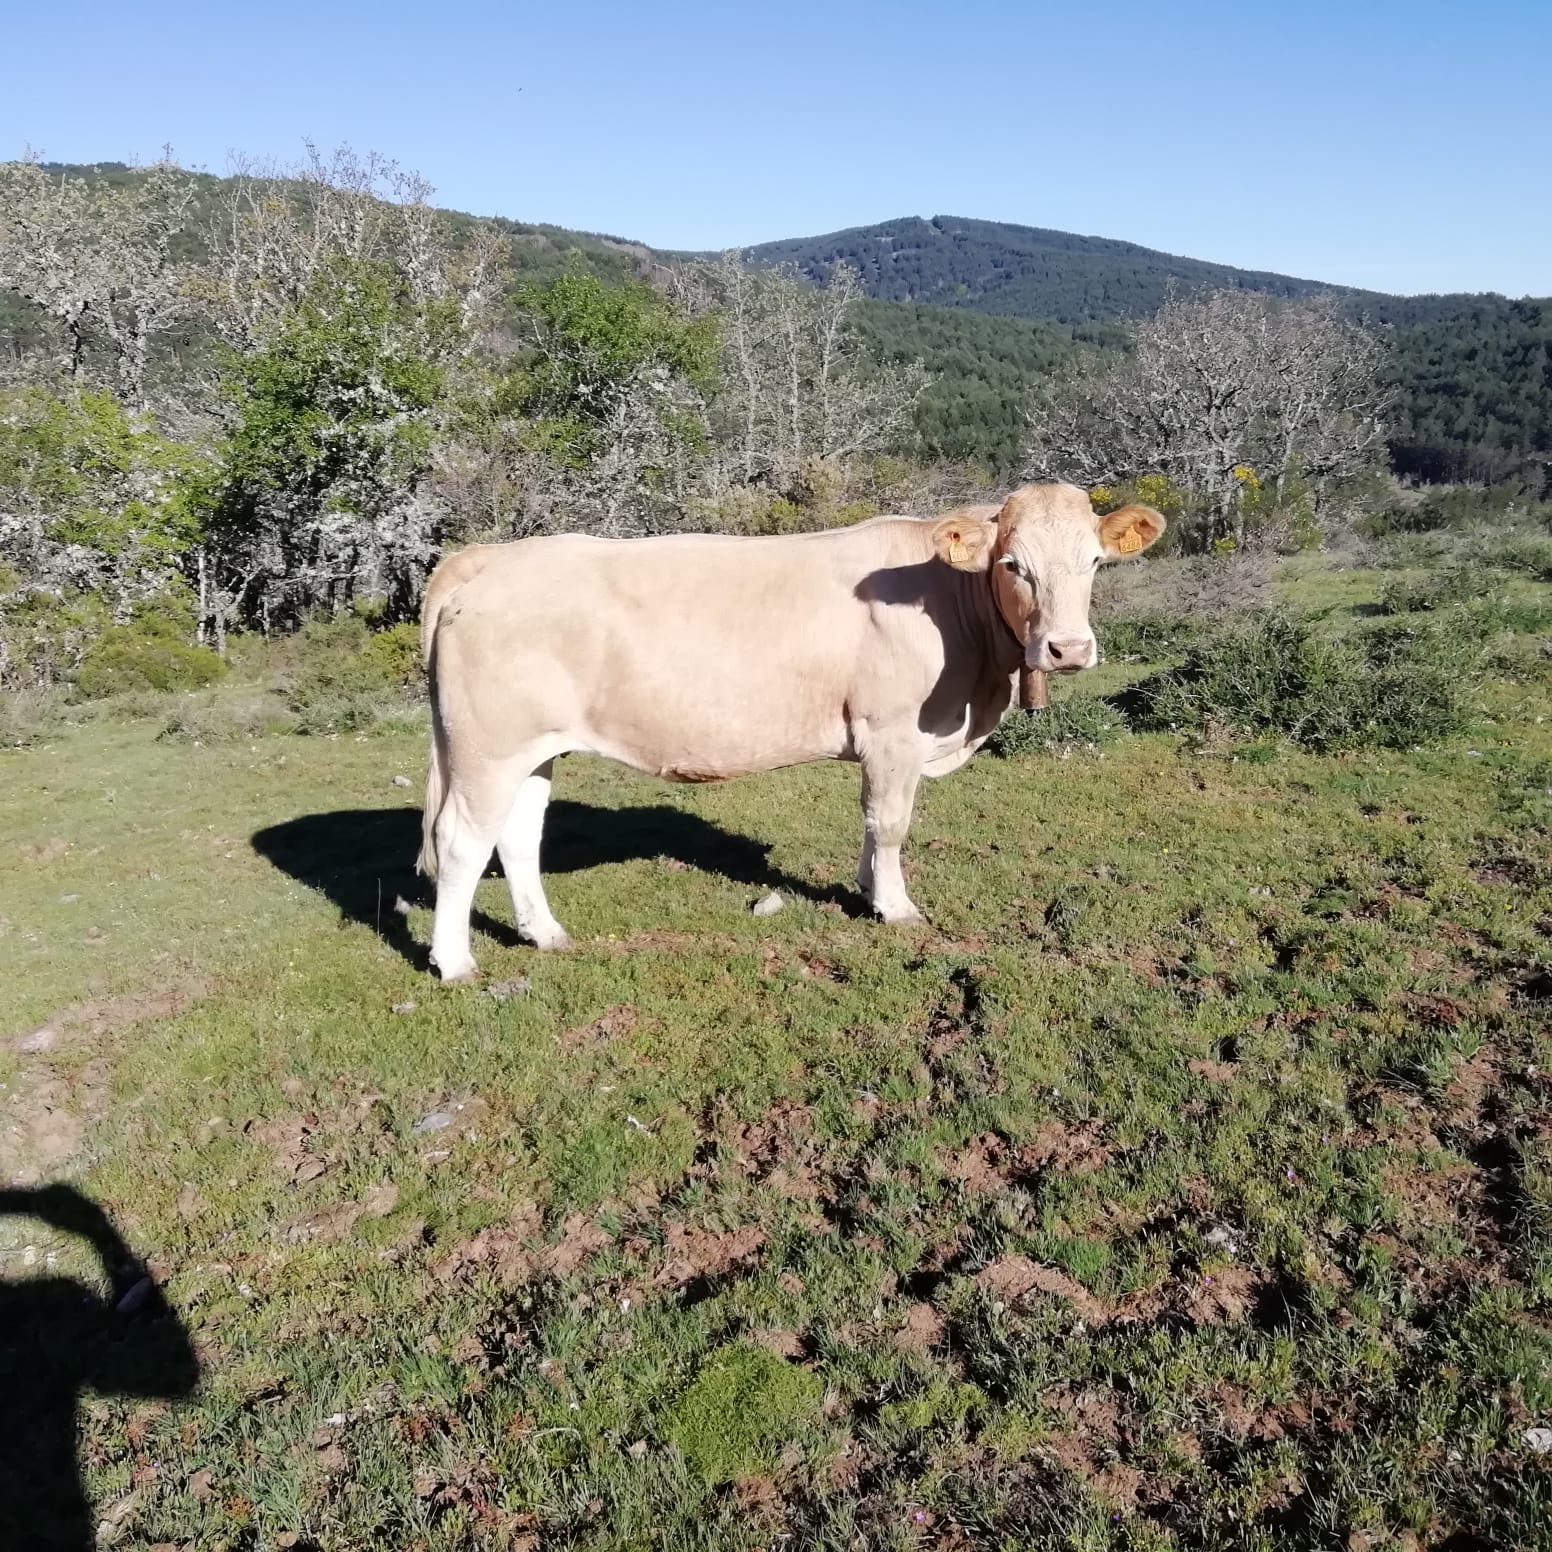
(701, 750)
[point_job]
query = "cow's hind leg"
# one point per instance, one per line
(471, 820)
(891, 770)
(519, 851)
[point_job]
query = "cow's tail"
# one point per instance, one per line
(445, 581)
(436, 790)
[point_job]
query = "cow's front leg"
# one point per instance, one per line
(891, 770)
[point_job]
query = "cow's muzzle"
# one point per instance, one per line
(1062, 654)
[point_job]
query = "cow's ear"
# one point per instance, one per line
(1129, 531)
(964, 543)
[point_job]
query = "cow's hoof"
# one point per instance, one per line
(909, 916)
(470, 975)
(552, 942)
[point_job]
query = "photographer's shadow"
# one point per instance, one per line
(60, 1337)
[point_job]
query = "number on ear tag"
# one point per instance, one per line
(1130, 542)
(958, 555)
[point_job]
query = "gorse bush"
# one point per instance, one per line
(152, 652)
(1394, 686)
(343, 678)
(1079, 721)
(1147, 638)
(1525, 554)
(1434, 589)
(1455, 507)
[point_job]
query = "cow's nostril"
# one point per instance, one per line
(1055, 650)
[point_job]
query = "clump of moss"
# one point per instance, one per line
(744, 1402)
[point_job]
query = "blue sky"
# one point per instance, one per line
(1406, 147)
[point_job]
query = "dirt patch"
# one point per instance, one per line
(613, 1024)
(1012, 1278)
(101, 1016)
(291, 1142)
(1223, 1296)
(922, 1329)
(1075, 1150)
(1470, 1089)
(324, 1225)
(41, 853)
(509, 1251)
(1118, 1486)
(982, 1165)
(784, 1343)
(1214, 1072)
(47, 1118)
(327, 1225)
(580, 1240)
(692, 1254)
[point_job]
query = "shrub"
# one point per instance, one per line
(152, 652)
(1521, 660)
(1146, 638)
(1457, 507)
(395, 654)
(1434, 589)
(1076, 722)
(343, 679)
(29, 716)
(1177, 587)
(1530, 556)
(1397, 685)
(232, 716)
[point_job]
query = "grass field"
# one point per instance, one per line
(1188, 1183)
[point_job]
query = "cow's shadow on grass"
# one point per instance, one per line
(363, 859)
(59, 1338)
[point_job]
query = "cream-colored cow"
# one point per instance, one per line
(896, 643)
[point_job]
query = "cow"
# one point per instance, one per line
(897, 643)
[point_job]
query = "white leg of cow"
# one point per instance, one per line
(890, 774)
(519, 851)
(467, 828)
(463, 850)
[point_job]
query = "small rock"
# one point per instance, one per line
(638, 1449)
(518, 986)
(437, 1121)
(769, 906)
(39, 1040)
(401, 781)
(403, 1007)
(1538, 1439)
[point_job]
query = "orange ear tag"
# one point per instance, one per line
(1130, 542)
(957, 553)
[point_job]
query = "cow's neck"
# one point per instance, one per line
(1004, 647)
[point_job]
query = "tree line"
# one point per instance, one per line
(236, 404)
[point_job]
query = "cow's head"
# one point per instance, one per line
(1042, 549)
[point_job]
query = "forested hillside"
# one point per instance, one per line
(1473, 373)
(981, 371)
(989, 308)
(1016, 271)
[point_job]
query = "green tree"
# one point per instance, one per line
(599, 421)
(97, 523)
(317, 497)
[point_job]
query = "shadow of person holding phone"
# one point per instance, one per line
(60, 1337)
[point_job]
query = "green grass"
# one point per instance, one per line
(1185, 1184)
